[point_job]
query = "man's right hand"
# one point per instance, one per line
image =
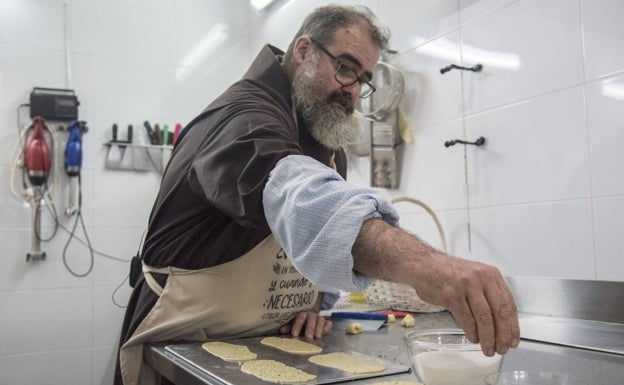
(477, 296)
(475, 293)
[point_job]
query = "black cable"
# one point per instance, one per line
(96, 252)
(53, 213)
(116, 290)
(72, 235)
(92, 251)
(50, 204)
(127, 276)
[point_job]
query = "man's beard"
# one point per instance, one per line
(327, 122)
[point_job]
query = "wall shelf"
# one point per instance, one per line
(135, 145)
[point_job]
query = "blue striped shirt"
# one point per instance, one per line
(316, 216)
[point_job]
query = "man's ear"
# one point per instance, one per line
(301, 48)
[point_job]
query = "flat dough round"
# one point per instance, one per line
(275, 371)
(347, 363)
(229, 352)
(291, 345)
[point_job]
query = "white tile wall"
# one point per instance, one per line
(609, 223)
(547, 239)
(428, 163)
(602, 34)
(536, 151)
(543, 197)
(150, 85)
(528, 48)
(43, 320)
(58, 367)
(421, 73)
(235, 12)
(24, 67)
(37, 24)
(424, 22)
(104, 359)
(138, 33)
(605, 117)
(472, 9)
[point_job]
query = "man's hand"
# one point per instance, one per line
(311, 323)
(478, 297)
(315, 325)
(474, 292)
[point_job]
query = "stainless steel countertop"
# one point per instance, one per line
(599, 368)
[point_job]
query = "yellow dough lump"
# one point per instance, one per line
(354, 328)
(408, 321)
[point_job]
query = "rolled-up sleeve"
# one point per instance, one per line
(316, 216)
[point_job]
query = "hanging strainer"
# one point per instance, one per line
(388, 82)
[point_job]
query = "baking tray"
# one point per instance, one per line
(230, 373)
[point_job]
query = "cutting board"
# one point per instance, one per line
(230, 373)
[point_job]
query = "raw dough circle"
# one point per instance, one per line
(275, 371)
(347, 362)
(229, 352)
(291, 345)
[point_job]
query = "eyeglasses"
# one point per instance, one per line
(346, 76)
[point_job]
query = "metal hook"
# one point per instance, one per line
(479, 142)
(476, 68)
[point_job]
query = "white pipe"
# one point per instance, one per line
(430, 212)
(67, 47)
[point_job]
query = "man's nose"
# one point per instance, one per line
(353, 90)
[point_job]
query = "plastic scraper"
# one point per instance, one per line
(369, 321)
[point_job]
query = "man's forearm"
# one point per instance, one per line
(387, 252)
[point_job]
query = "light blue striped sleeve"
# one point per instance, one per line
(316, 216)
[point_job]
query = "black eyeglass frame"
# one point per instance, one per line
(357, 79)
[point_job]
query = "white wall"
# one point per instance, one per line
(125, 54)
(545, 196)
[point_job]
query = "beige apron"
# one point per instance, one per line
(249, 296)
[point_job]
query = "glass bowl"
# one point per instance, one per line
(527, 377)
(447, 357)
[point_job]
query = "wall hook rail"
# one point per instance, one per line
(476, 68)
(479, 142)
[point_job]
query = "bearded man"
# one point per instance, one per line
(254, 219)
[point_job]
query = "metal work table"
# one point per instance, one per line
(600, 368)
